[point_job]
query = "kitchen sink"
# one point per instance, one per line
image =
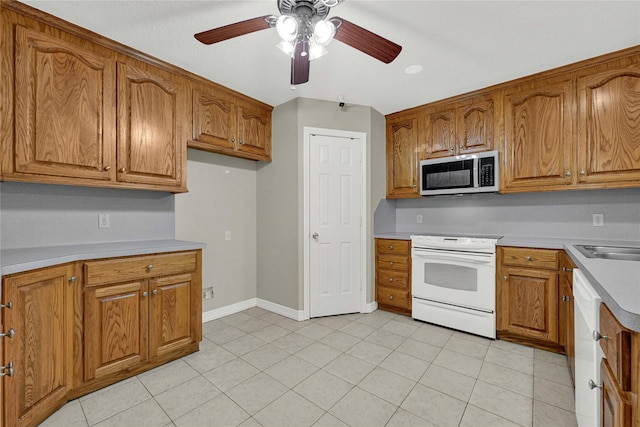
(622, 253)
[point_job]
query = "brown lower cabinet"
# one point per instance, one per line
(566, 312)
(74, 328)
(393, 275)
(527, 297)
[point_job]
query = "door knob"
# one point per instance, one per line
(9, 334)
(315, 236)
(597, 337)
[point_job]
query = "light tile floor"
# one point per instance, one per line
(256, 368)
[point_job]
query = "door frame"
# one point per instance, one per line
(364, 247)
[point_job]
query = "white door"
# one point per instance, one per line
(335, 180)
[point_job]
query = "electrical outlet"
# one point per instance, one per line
(419, 219)
(227, 235)
(207, 293)
(598, 220)
(104, 221)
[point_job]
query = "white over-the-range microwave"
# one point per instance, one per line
(470, 173)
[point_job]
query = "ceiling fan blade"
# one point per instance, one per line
(234, 30)
(300, 64)
(365, 41)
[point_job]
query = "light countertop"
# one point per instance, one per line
(617, 282)
(19, 260)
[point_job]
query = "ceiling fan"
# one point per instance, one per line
(305, 31)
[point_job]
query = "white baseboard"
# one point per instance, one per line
(282, 310)
(217, 313)
(370, 307)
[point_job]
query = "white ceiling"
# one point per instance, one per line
(461, 45)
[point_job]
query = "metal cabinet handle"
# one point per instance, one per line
(72, 279)
(123, 170)
(145, 294)
(8, 368)
(390, 248)
(568, 173)
(9, 334)
(504, 277)
(461, 146)
(390, 262)
(150, 267)
(107, 168)
(242, 142)
(451, 148)
(315, 236)
(414, 186)
(233, 140)
(583, 172)
(155, 292)
(391, 279)
(593, 385)
(528, 258)
(567, 269)
(566, 298)
(597, 337)
(391, 297)
(8, 305)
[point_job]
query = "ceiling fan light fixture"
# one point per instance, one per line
(286, 46)
(323, 32)
(316, 51)
(287, 27)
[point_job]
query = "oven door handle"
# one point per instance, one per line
(428, 256)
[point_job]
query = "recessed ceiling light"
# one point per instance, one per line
(413, 69)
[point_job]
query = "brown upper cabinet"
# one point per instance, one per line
(152, 111)
(538, 122)
(572, 127)
(226, 123)
(402, 157)
(460, 127)
(80, 109)
(609, 123)
(64, 107)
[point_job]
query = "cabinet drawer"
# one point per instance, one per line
(137, 268)
(394, 297)
(528, 257)
(392, 246)
(394, 279)
(393, 262)
(616, 347)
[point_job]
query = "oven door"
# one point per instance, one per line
(463, 279)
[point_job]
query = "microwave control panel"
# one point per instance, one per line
(485, 171)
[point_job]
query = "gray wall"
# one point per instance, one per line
(549, 214)
(221, 197)
(280, 192)
(50, 215)
(278, 204)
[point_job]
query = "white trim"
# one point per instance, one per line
(217, 313)
(370, 307)
(364, 277)
(227, 310)
(282, 310)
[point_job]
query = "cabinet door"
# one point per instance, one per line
(254, 130)
(64, 110)
(172, 321)
(539, 143)
(475, 126)
(214, 120)
(402, 157)
(151, 110)
(440, 132)
(616, 405)
(41, 349)
(609, 123)
(529, 303)
(116, 328)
